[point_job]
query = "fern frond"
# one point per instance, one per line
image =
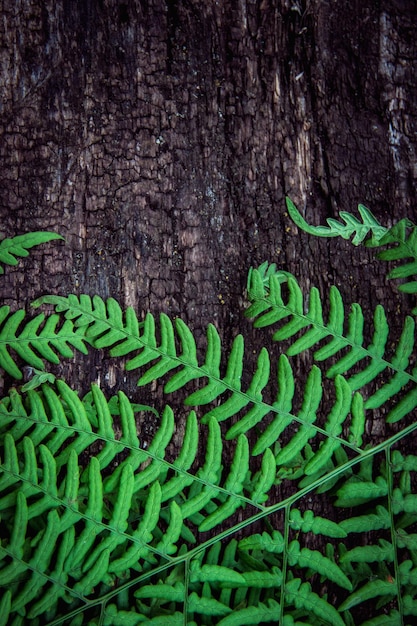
(308, 522)
(344, 337)
(118, 517)
(170, 354)
(18, 246)
(352, 226)
(258, 614)
(35, 340)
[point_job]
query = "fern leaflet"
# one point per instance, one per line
(18, 246)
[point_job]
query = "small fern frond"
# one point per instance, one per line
(352, 226)
(343, 337)
(18, 246)
(401, 239)
(36, 339)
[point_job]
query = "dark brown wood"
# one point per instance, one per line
(160, 137)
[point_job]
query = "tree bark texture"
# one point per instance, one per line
(160, 137)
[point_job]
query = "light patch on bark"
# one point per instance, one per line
(396, 102)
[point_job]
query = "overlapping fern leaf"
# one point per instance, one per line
(169, 353)
(76, 530)
(399, 241)
(277, 300)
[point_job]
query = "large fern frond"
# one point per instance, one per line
(170, 353)
(130, 514)
(18, 246)
(280, 301)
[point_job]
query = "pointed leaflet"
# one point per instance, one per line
(141, 537)
(300, 595)
(308, 522)
(373, 589)
(93, 516)
(15, 548)
(307, 417)
(39, 562)
(184, 460)
(18, 246)
(333, 427)
(200, 494)
(259, 614)
(234, 484)
(58, 577)
(314, 560)
(282, 406)
(114, 530)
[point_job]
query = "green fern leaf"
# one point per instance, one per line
(372, 358)
(307, 416)
(115, 617)
(215, 573)
(5, 607)
(370, 554)
(268, 612)
(333, 427)
(59, 576)
(373, 589)
(282, 405)
(314, 560)
(234, 482)
(142, 535)
(163, 592)
(173, 354)
(367, 523)
(393, 619)
(273, 543)
(206, 606)
(299, 594)
(39, 562)
(352, 226)
(308, 522)
(355, 492)
(265, 478)
(357, 425)
(403, 237)
(36, 340)
(18, 246)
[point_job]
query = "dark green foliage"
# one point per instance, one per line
(102, 527)
(400, 241)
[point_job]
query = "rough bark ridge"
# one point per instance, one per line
(160, 138)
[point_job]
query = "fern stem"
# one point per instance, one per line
(397, 573)
(284, 563)
(187, 566)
